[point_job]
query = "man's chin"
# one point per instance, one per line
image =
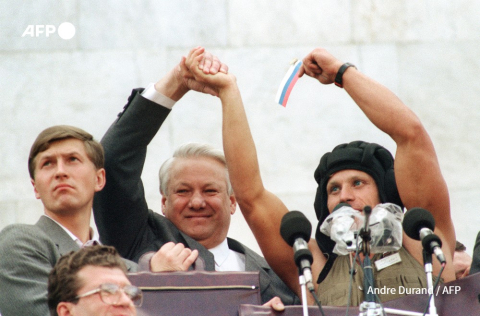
(197, 232)
(64, 208)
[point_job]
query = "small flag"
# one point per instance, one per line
(288, 82)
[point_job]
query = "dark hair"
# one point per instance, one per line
(370, 158)
(63, 282)
(459, 246)
(93, 149)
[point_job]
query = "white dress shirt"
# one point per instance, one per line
(152, 94)
(94, 240)
(227, 259)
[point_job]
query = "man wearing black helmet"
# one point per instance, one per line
(358, 173)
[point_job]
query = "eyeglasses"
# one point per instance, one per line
(111, 293)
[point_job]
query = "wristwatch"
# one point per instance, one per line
(341, 71)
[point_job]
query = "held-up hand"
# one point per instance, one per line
(321, 65)
(210, 64)
(215, 81)
(276, 304)
(173, 257)
(180, 80)
(207, 63)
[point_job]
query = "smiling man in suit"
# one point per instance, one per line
(197, 198)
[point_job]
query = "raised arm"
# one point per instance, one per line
(121, 211)
(417, 171)
(262, 210)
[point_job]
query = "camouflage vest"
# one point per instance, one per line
(392, 282)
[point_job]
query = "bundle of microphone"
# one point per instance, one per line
(345, 222)
(385, 224)
(345, 225)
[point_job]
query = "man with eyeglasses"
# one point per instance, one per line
(92, 282)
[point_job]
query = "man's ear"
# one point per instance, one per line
(233, 204)
(100, 179)
(65, 309)
(164, 207)
(37, 195)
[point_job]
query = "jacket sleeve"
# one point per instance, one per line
(475, 267)
(120, 209)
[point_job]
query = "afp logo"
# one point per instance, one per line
(65, 30)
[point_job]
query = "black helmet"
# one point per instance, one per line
(371, 158)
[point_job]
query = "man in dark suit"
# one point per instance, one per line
(66, 169)
(197, 199)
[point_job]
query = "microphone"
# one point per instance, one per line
(296, 231)
(340, 205)
(419, 224)
(367, 210)
(365, 232)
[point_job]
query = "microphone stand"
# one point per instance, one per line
(303, 287)
(369, 306)
(427, 260)
(303, 258)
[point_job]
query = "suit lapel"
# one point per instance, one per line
(202, 251)
(59, 236)
(253, 262)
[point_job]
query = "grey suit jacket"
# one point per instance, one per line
(27, 254)
(121, 212)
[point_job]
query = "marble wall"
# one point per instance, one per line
(426, 51)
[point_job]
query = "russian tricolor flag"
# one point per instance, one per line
(288, 83)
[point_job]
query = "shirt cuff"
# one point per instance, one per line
(152, 94)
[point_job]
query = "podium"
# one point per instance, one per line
(459, 297)
(238, 293)
(196, 292)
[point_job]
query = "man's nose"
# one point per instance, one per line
(124, 300)
(346, 195)
(61, 170)
(197, 201)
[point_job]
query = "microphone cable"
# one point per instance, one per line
(319, 304)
